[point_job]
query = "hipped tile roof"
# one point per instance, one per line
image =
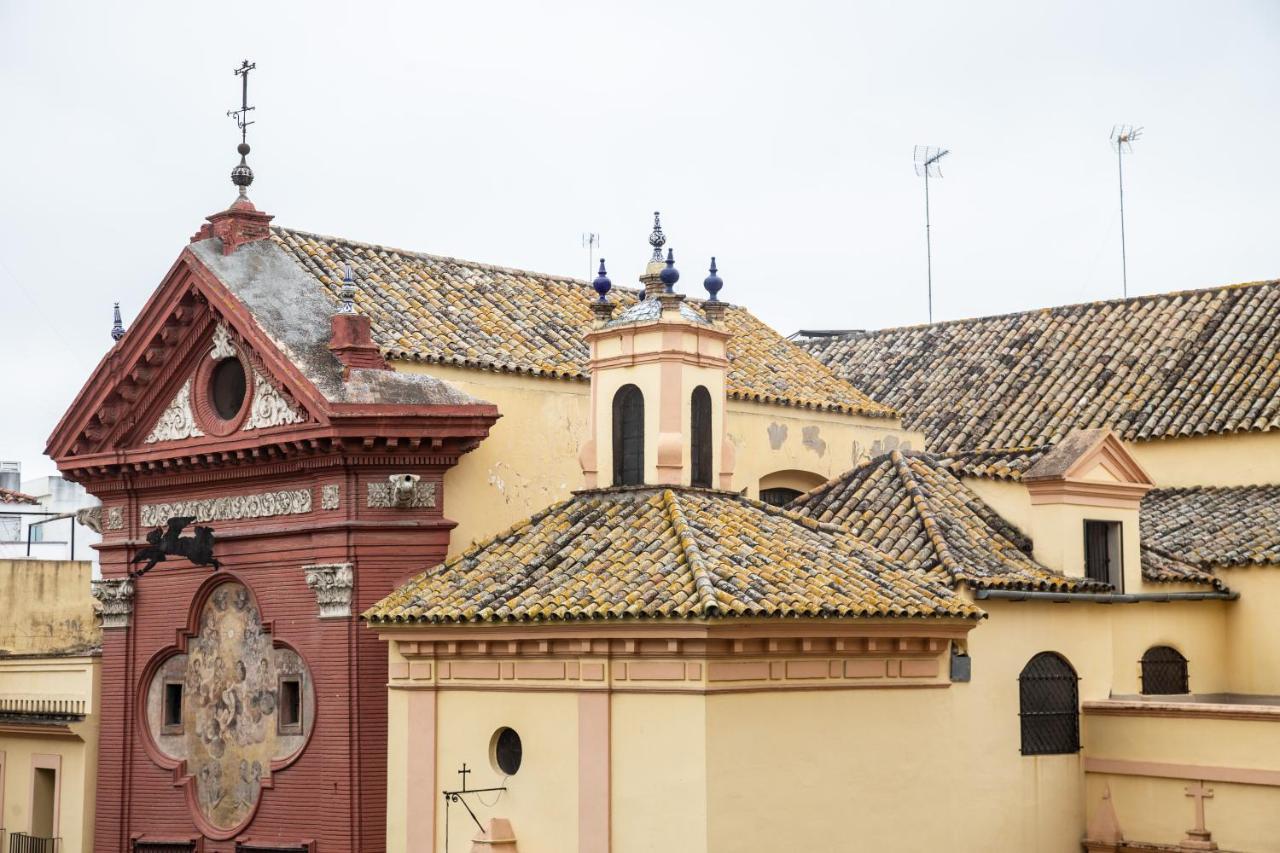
(677, 552)
(1174, 364)
(449, 311)
(1214, 527)
(13, 496)
(911, 507)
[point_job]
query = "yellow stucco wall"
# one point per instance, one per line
(1238, 459)
(45, 606)
(530, 459)
(1242, 817)
(1253, 630)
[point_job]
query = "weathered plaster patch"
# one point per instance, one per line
(777, 435)
(812, 439)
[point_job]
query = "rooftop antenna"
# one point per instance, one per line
(1122, 138)
(589, 242)
(926, 159)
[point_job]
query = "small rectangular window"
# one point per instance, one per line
(172, 708)
(10, 528)
(290, 719)
(1102, 554)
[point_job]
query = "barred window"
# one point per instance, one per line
(1164, 671)
(700, 436)
(1050, 706)
(628, 436)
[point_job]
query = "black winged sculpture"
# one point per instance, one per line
(166, 542)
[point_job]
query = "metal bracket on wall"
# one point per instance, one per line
(458, 796)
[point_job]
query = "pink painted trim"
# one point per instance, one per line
(1201, 772)
(420, 772)
(2, 770)
(593, 773)
(44, 761)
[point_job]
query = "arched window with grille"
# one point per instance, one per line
(1164, 671)
(628, 436)
(1050, 706)
(700, 436)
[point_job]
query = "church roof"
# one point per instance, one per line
(911, 507)
(648, 552)
(1214, 527)
(449, 311)
(1174, 364)
(13, 496)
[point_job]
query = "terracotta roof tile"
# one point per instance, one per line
(1214, 527)
(448, 311)
(13, 496)
(914, 509)
(1175, 364)
(688, 553)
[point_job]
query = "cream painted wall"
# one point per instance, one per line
(530, 459)
(1253, 630)
(1241, 817)
(45, 606)
(1239, 459)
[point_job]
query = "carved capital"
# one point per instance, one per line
(332, 583)
(116, 598)
(90, 517)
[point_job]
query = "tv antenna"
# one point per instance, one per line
(926, 159)
(590, 241)
(1122, 138)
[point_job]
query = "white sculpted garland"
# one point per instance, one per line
(176, 422)
(229, 508)
(270, 408)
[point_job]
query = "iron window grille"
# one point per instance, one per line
(628, 436)
(1164, 671)
(1103, 557)
(700, 436)
(20, 842)
(1049, 696)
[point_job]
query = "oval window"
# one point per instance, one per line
(227, 387)
(507, 751)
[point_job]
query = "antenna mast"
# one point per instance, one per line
(589, 242)
(926, 160)
(1122, 139)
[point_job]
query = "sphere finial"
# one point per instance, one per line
(657, 239)
(117, 325)
(602, 284)
(713, 282)
(670, 275)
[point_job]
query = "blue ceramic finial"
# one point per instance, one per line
(117, 325)
(602, 283)
(713, 282)
(670, 275)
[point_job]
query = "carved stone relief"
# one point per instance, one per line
(329, 496)
(401, 492)
(116, 598)
(90, 517)
(177, 421)
(269, 407)
(231, 725)
(229, 507)
(222, 345)
(332, 584)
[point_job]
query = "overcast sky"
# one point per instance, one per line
(777, 136)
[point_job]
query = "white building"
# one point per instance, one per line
(38, 518)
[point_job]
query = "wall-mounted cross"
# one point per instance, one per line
(1200, 793)
(463, 773)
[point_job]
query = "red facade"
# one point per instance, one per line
(308, 485)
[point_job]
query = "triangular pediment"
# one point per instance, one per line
(154, 389)
(1094, 455)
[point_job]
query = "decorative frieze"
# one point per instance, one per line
(116, 598)
(230, 507)
(332, 583)
(269, 407)
(115, 518)
(403, 491)
(177, 421)
(329, 495)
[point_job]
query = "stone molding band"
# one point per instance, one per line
(229, 508)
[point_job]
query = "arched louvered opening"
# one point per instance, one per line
(1164, 671)
(1050, 706)
(700, 436)
(628, 436)
(779, 496)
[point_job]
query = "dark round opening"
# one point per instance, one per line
(228, 387)
(507, 751)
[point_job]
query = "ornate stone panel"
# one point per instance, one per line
(115, 518)
(230, 507)
(116, 597)
(329, 496)
(332, 584)
(232, 724)
(269, 407)
(90, 517)
(177, 421)
(397, 493)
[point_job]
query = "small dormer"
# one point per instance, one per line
(1085, 496)
(657, 384)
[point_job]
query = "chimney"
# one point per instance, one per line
(352, 340)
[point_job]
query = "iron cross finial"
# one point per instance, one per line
(463, 773)
(242, 115)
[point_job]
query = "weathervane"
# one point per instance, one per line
(242, 175)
